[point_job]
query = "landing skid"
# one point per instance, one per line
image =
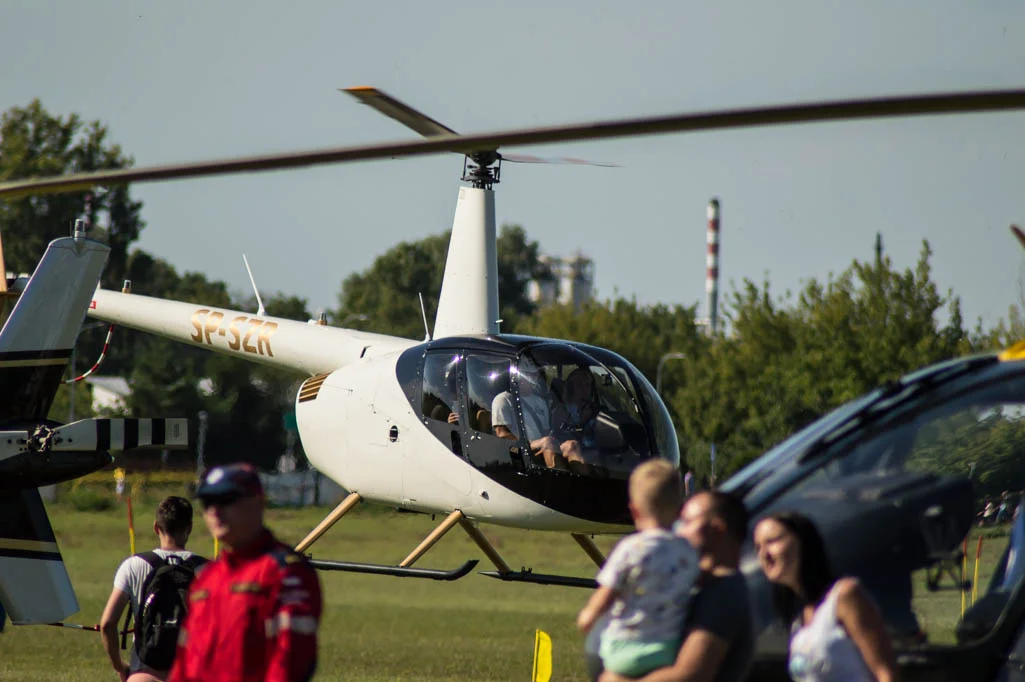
(528, 576)
(405, 568)
(399, 571)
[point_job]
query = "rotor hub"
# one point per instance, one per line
(482, 169)
(41, 439)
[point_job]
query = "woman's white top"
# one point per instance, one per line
(821, 650)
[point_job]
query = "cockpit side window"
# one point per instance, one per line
(440, 398)
(487, 376)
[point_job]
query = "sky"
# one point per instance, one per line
(190, 81)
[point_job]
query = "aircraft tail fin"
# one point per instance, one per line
(37, 338)
(34, 585)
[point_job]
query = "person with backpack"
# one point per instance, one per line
(254, 611)
(155, 584)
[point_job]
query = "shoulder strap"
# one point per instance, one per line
(196, 562)
(152, 558)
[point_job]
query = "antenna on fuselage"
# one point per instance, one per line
(259, 301)
(423, 312)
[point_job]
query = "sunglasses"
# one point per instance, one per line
(219, 500)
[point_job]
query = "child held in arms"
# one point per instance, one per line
(646, 582)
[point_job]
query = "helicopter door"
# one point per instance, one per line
(487, 375)
(430, 471)
(440, 404)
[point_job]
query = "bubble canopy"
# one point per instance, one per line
(559, 422)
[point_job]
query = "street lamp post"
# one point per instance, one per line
(661, 362)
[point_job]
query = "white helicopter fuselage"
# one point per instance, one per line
(355, 421)
(358, 427)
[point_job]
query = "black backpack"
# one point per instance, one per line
(163, 603)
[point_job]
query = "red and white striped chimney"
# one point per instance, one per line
(712, 263)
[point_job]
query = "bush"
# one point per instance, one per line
(85, 498)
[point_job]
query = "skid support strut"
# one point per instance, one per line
(403, 570)
(432, 539)
(523, 575)
(350, 501)
(587, 544)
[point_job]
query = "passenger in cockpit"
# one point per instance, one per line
(535, 401)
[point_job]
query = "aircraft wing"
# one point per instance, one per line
(34, 585)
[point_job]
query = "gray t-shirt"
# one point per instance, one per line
(722, 607)
(130, 576)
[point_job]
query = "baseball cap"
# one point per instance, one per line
(229, 481)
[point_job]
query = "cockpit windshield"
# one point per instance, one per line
(574, 413)
(550, 406)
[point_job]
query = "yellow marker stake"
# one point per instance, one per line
(542, 657)
(131, 525)
(215, 548)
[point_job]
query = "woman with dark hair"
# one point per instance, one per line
(837, 631)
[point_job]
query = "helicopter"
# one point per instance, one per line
(890, 480)
(35, 346)
(375, 412)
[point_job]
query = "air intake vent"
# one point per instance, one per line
(311, 387)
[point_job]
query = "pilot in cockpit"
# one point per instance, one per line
(535, 400)
(574, 417)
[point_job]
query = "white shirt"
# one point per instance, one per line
(536, 415)
(821, 650)
(130, 577)
(653, 572)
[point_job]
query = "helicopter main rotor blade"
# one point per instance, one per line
(400, 111)
(420, 122)
(914, 105)
(530, 158)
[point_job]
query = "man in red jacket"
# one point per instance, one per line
(254, 611)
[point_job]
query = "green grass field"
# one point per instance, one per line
(378, 628)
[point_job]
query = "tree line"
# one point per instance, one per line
(779, 361)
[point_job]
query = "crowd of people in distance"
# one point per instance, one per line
(1003, 509)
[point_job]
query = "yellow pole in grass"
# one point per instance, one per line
(215, 548)
(964, 573)
(542, 657)
(975, 579)
(131, 525)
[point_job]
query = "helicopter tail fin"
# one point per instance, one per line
(37, 338)
(468, 304)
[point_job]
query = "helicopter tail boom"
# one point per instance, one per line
(303, 347)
